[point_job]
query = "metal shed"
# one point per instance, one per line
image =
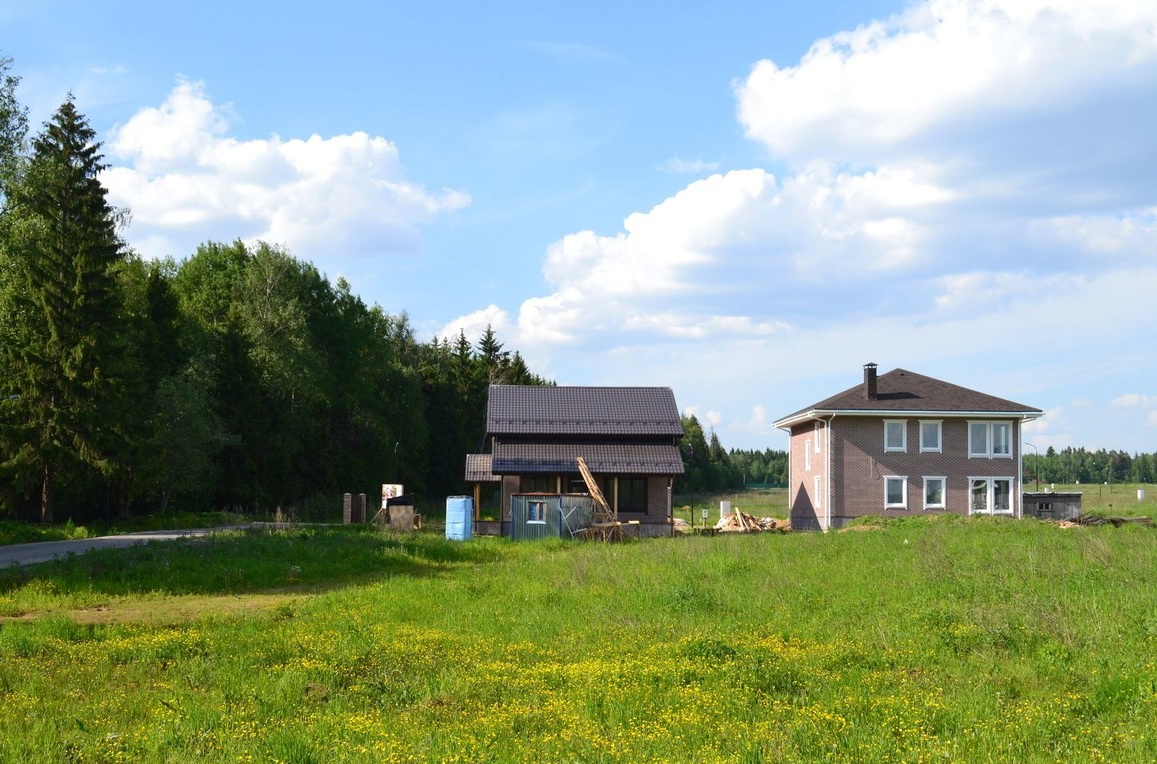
(549, 515)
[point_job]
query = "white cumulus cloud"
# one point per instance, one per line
(187, 180)
(967, 192)
(474, 325)
(885, 87)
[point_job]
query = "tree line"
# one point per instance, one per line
(1078, 465)
(708, 467)
(237, 378)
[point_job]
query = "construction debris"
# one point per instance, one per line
(1116, 522)
(741, 522)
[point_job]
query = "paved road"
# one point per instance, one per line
(42, 551)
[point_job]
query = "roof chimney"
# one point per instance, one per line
(870, 381)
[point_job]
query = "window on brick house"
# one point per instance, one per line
(537, 483)
(632, 494)
(895, 435)
(991, 440)
(930, 436)
(990, 496)
(896, 492)
(934, 492)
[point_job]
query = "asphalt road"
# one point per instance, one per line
(42, 551)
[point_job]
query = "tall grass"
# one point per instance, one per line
(929, 639)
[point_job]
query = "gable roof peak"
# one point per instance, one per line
(902, 390)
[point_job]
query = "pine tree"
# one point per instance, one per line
(13, 127)
(62, 233)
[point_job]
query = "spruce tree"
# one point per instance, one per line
(62, 233)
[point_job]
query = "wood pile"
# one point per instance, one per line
(741, 522)
(1116, 522)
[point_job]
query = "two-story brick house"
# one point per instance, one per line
(903, 443)
(628, 437)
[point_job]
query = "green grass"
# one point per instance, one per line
(928, 639)
(16, 532)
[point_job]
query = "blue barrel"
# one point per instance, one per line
(459, 517)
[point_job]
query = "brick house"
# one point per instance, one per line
(901, 444)
(628, 437)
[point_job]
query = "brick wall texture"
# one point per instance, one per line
(858, 465)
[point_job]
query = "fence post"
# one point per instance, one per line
(347, 506)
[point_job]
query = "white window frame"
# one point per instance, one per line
(1008, 440)
(939, 447)
(818, 430)
(536, 509)
(990, 494)
(903, 447)
(903, 491)
(943, 492)
(817, 485)
(987, 450)
(807, 456)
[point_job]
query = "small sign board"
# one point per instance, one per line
(390, 491)
(705, 512)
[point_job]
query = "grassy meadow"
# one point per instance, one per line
(924, 640)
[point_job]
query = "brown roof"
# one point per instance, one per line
(602, 458)
(478, 469)
(588, 411)
(901, 390)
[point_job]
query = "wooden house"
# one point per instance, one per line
(628, 437)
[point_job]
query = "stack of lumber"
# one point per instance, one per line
(1114, 521)
(741, 522)
(611, 531)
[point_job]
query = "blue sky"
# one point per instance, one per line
(744, 201)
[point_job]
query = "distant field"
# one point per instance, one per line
(770, 502)
(932, 639)
(1110, 498)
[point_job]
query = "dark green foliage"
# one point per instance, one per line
(1078, 465)
(707, 467)
(13, 127)
(237, 379)
(258, 384)
(66, 359)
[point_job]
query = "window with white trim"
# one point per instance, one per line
(990, 440)
(819, 426)
(896, 492)
(930, 431)
(807, 455)
(990, 496)
(816, 491)
(1002, 439)
(895, 435)
(934, 492)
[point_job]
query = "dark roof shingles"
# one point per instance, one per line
(478, 469)
(533, 410)
(602, 458)
(903, 390)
